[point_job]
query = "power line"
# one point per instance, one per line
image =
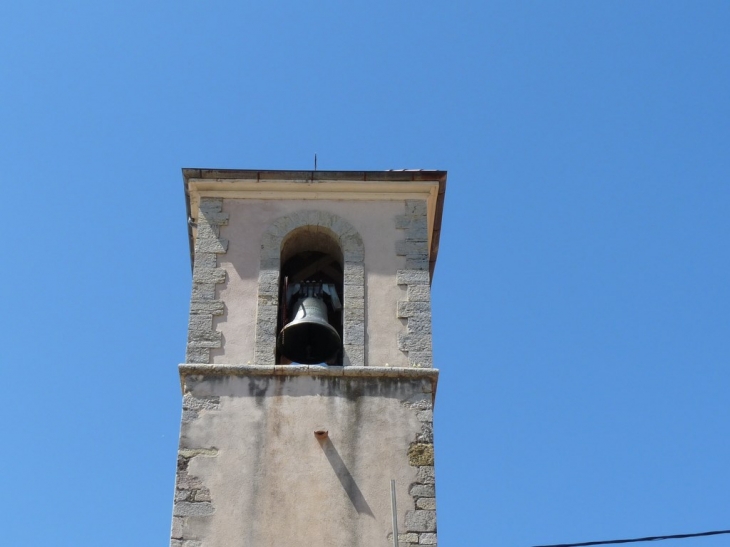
(635, 540)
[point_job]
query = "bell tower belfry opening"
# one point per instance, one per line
(308, 383)
(310, 294)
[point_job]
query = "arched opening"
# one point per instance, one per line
(310, 298)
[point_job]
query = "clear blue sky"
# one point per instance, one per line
(581, 299)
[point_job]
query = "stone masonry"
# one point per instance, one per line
(416, 308)
(192, 497)
(206, 275)
(422, 520)
(420, 524)
(353, 285)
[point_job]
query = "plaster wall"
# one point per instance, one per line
(270, 482)
(248, 219)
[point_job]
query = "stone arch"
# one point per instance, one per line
(353, 285)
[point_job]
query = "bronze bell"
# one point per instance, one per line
(309, 338)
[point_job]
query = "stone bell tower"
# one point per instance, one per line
(309, 383)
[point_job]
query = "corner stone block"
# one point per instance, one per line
(426, 433)
(418, 293)
(205, 260)
(211, 339)
(190, 402)
(412, 249)
(415, 207)
(422, 491)
(419, 324)
(207, 231)
(423, 359)
(421, 521)
(216, 219)
(212, 307)
(407, 308)
(203, 291)
(419, 235)
(420, 223)
(410, 537)
(426, 475)
(402, 222)
(209, 275)
(414, 342)
(427, 539)
(210, 205)
(201, 322)
(192, 509)
(177, 528)
(420, 454)
(412, 277)
(211, 245)
(428, 504)
(419, 263)
(197, 354)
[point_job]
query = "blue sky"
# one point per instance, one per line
(581, 296)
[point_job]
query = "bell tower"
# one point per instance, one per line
(308, 385)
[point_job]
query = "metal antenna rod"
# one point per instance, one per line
(395, 513)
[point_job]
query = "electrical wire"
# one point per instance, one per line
(635, 540)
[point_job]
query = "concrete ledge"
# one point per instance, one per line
(190, 369)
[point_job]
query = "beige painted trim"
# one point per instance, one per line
(315, 190)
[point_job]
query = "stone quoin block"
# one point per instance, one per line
(418, 293)
(212, 307)
(426, 503)
(409, 309)
(203, 291)
(426, 475)
(218, 246)
(209, 275)
(421, 521)
(412, 277)
(422, 491)
(427, 539)
(205, 260)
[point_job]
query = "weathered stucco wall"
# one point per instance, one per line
(252, 473)
(376, 222)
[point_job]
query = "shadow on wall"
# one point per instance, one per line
(345, 477)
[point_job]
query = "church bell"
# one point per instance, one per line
(309, 338)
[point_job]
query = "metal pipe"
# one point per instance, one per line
(395, 513)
